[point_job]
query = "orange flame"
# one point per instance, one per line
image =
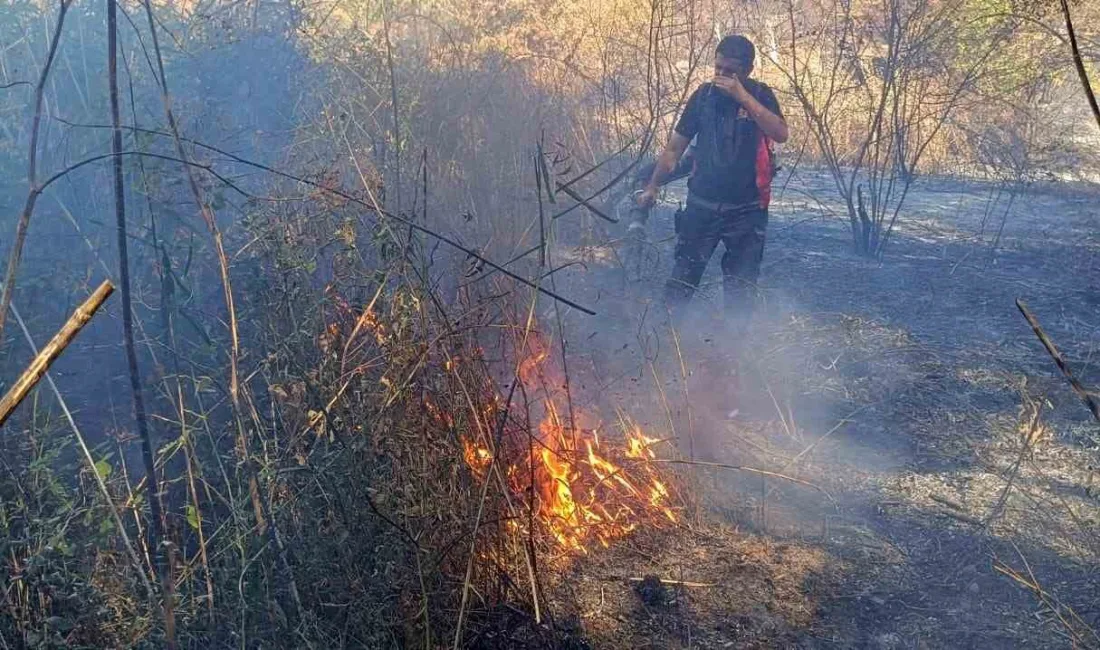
(477, 458)
(581, 490)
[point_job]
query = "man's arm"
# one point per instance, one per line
(685, 166)
(666, 162)
(773, 126)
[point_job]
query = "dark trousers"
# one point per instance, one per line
(698, 232)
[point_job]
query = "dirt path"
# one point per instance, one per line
(902, 391)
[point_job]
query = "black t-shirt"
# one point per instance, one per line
(726, 142)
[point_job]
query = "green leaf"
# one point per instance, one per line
(193, 517)
(103, 468)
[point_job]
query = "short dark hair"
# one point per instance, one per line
(736, 46)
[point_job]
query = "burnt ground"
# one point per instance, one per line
(904, 392)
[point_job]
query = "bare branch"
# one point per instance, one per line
(33, 191)
(358, 201)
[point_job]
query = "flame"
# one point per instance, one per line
(576, 484)
(638, 444)
(370, 320)
(441, 417)
(477, 458)
(581, 489)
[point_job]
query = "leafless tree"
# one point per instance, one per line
(876, 83)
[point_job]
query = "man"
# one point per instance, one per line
(734, 121)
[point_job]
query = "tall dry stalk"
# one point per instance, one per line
(157, 542)
(223, 262)
(387, 8)
(264, 520)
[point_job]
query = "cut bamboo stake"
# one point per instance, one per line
(130, 550)
(42, 362)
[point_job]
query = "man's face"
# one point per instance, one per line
(725, 66)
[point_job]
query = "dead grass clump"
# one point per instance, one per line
(697, 586)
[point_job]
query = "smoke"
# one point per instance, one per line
(779, 395)
(251, 108)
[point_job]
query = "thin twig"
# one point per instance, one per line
(782, 418)
(836, 427)
(597, 166)
(687, 395)
(1026, 440)
(585, 202)
(145, 154)
(675, 583)
(1048, 600)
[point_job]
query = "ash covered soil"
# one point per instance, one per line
(944, 490)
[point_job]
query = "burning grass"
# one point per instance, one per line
(581, 487)
(482, 492)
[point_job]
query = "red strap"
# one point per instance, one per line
(764, 171)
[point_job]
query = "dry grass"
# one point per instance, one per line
(741, 591)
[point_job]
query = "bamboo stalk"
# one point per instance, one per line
(42, 362)
(130, 549)
(1059, 360)
(156, 529)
